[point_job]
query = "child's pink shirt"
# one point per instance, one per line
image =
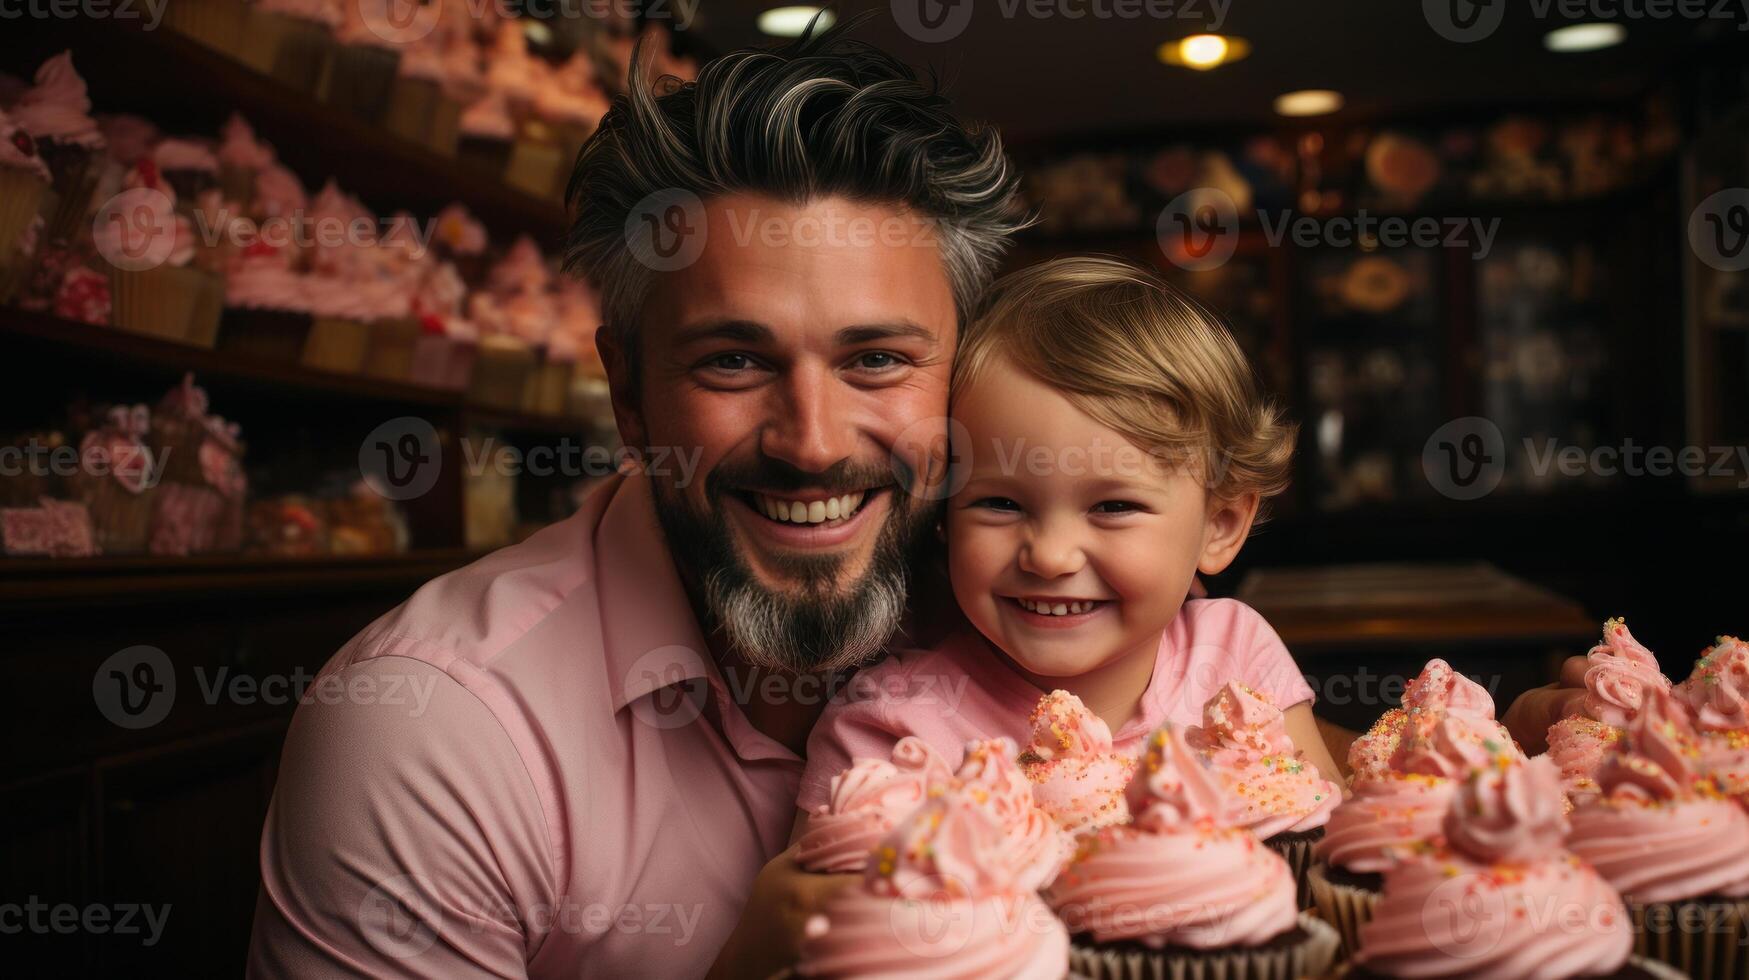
(962, 690)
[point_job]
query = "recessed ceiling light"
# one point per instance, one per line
(792, 21)
(1584, 37)
(1308, 102)
(1203, 51)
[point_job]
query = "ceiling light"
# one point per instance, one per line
(1308, 102)
(1203, 51)
(792, 21)
(1584, 37)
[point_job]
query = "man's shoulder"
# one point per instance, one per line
(478, 612)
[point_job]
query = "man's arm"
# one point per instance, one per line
(405, 837)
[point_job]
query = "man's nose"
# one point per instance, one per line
(1052, 549)
(812, 429)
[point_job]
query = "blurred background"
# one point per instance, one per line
(1490, 256)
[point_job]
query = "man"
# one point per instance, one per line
(786, 251)
(605, 746)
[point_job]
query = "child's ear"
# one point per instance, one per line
(1224, 531)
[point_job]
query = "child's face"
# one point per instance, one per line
(1062, 512)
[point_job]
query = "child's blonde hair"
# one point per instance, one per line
(1140, 357)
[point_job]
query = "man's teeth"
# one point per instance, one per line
(1057, 608)
(809, 511)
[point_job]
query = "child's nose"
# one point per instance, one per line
(1052, 551)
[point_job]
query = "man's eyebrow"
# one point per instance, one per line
(744, 331)
(864, 333)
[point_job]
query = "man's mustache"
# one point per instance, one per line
(774, 476)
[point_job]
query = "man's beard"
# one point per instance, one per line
(819, 625)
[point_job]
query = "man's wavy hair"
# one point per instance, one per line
(819, 116)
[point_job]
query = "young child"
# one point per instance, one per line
(1110, 443)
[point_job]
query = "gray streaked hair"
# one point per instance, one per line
(822, 115)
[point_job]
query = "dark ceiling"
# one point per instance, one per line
(1044, 77)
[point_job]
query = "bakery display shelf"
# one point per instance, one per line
(474, 416)
(37, 581)
(205, 85)
(119, 345)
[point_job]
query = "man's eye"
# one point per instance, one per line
(1116, 507)
(729, 362)
(877, 360)
(996, 503)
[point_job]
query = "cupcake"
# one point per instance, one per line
(155, 288)
(1664, 836)
(1435, 692)
(990, 777)
(241, 158)
(202, 489)
(1183, 892)
(24, 179)
(292, 40)
(443, 355)
(1076, 775)
(938, 899)
(458, 238)
(487, 135)
(1621, 673)
(867, 801)
(56, 112)
(1499, 898)
(189, 167)
(1717, 697)
(267, 306)
(362, 69)
(1284, 799)
(117, 480)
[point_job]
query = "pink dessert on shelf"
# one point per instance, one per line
(1077, 777)
(1435, 692)
(1717, 695)
(1659, 829)
(939, 901)
(1621, 673)
(1500, 899)
(868, 801)
(57, 109)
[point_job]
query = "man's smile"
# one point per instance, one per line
(804, 520)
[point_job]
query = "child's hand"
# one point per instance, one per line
(769, 934)
(1531, 714)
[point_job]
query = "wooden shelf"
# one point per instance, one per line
(192, 88)
(145, 578)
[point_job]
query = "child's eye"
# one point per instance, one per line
(1117, 507)
(995, 503)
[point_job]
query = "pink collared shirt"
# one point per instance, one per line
(518, 773)
(960, 690)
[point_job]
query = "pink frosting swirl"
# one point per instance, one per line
(938, 901)
(1578, 746)
(990, 777)
(1076, 775)
(1434, 693)
(178, 154)
(1660, 831)
(58, 107)
(262, 280)
(1621, 672)
(1718, 690)
(1180, 875)
(1246, 738)
(868, 800)
(239, 148)
(1501, 901)
(1385, 818)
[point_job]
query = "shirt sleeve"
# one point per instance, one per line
(405, 837)
(1269, 667)
(860, 722)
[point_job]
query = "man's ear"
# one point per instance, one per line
(1224, 531)
(622, 383)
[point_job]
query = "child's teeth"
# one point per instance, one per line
(1056, 608)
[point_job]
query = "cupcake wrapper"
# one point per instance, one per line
(217, 24)
(336, 345)
(75, 180)
(500, 377)
(1703, 939)
(359, 80)
(21, 197)
(121, 520)
(389, 354)
(1311, 958)
(1296, 849)
(1344, 907)
(301, 58)
(535, 168)
(489, 155)
(412, 106)
(1661, 971)
(157, 302)
(545, 392)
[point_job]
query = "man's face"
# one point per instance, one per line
(793, 355)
